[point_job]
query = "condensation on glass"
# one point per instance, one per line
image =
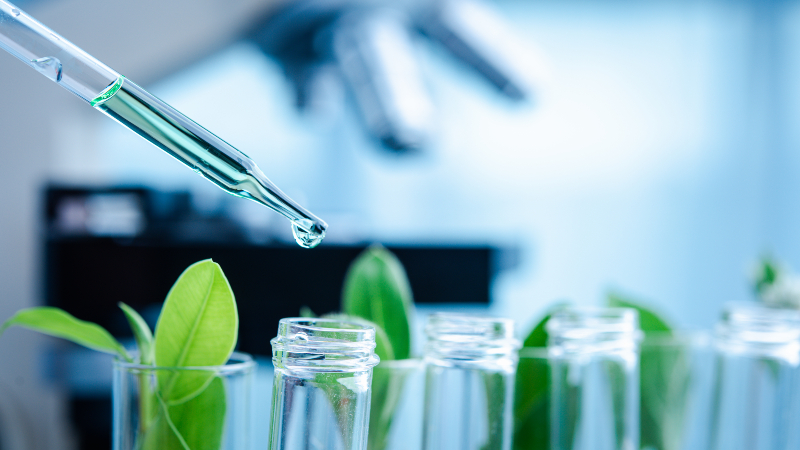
(323, 379)
(469, 382)
(755, 404)
(595, 379)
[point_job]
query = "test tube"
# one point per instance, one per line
(469, 382)
(323, 380)
(755, 397)
(595, 379)
(154, 120)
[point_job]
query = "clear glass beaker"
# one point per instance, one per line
(595, 379)
(469, 382)
(756, 397)
(216, 417)
(321, 391)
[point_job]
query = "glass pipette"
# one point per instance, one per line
(162, 125)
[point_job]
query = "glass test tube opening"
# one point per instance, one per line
(595, 378)
(469, 382)
(323, 377)
(760, 331)
(756, 403)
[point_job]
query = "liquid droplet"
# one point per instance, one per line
(15, 12)
(307, 236)
(49, 67)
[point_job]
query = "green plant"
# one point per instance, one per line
(664, 373)
(376, 288)
(197, 327)
(767, 273)
(664, 382)
(775, 285)
(532, 392)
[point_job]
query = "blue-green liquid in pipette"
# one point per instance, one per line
(204, 152)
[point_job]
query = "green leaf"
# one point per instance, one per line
(617, 376)
(59, 323)
(649, 321)
(201, 419)
(144, 340)
(532, 393)
(305, 311)
(570, 405)
(664, 380)
(141, 332)
(376, 288)
(197, 424)
(533, 374)
(197, 327)
(386, 386)
(767, 274)
(343, 389)
(495, 384)
(383, 347)
(538, 336)
(388, 382)
(532, 432)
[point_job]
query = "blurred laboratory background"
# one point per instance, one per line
(513, 153)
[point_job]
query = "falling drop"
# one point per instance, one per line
(49, 67)
(306, 234)
(15, 12)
